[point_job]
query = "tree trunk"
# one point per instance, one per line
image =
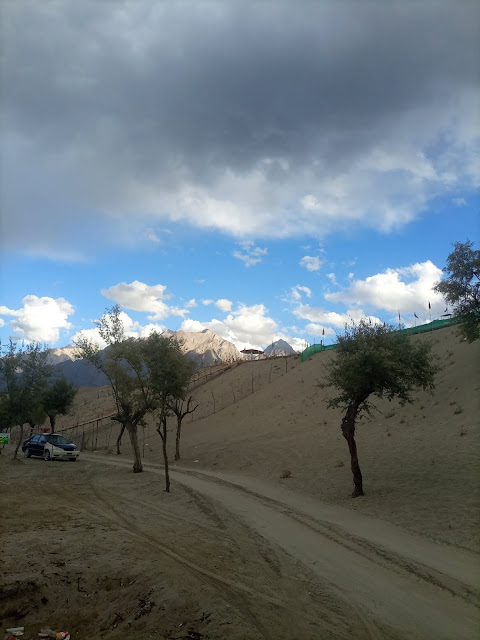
(137, 459)
(162, 432)
(52, 423)
(32, 427)
(119, 439)
(19, 442)
(177, 439)
(348, 431)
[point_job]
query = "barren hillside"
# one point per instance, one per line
(420, 462)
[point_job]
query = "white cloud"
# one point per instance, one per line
(290, 167)
(224, 305)
(207, 302)
(459, 202)
(296, 292)
(248, 327)
(305, 290)
(408, 289)
(251, 254)
(2, 322)
(322, 318)
(132, 328)
(299, 344)
(139, 296)
(40, 319)
(191, 303)
(311, 263)
(192, 325)
(317, 330)
(152, 236)
(333, 278)
(93, 335)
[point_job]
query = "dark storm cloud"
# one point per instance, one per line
(122, 107)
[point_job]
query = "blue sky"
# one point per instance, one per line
(263, 173)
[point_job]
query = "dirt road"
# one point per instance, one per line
(107, 554)
(397, 585)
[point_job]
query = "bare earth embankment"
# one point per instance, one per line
(235, 551)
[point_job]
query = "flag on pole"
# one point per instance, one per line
(323, 331)
(429, 305)
(415, 315)
(399, 318)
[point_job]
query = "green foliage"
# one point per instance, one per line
(380, 361)
(6, 417)
(58, 398)
(168, 368)
(461, 288)
(145, 374)
(123, 364)
(24, 375)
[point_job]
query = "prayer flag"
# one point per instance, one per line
(415, 315)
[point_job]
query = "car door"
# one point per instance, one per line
(41, 445)
(37, 445)
(33, 446)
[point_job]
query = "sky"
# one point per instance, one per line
(265, 170)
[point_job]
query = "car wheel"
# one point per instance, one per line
(26, 453)
(46, 455)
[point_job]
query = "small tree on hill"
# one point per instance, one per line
(58, 399)
(180, 409)
(461, 288)
(170, 371)
(379, 361)
(124, 365)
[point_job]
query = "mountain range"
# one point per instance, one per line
(205, 348)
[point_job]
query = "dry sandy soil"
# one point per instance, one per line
(237, 552)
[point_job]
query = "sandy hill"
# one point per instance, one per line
(420, 462)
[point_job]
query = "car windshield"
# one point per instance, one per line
(57, 440)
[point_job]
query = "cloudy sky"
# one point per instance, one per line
(262, 169)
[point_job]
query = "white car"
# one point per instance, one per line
(50, 446)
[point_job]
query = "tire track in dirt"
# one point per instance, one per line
(232, 591)
(397, 599)
(462, 565)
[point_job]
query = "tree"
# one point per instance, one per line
(123, 364)
(380, 361)
(36, 416)
(461, 288)
(180, 409)
(170, 371)
(24, 373)
(58, 399)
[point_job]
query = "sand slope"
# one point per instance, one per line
(420, 462)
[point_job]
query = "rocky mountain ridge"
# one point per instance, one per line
(205, 348)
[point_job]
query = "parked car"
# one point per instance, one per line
(50, 446)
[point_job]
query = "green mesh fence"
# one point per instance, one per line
(431, 326)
